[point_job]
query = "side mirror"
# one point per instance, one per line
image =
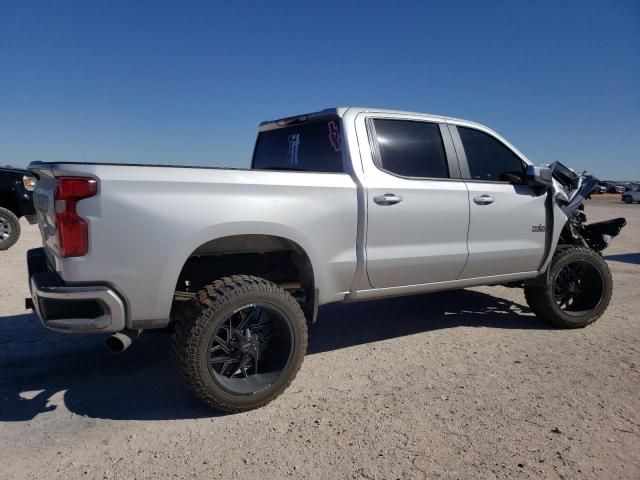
(539, 175)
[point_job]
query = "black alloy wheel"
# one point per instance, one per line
(250, 349)
(576, 290)
(240, 342)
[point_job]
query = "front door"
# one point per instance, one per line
(507, 218)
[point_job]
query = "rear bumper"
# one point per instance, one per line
(72, 309)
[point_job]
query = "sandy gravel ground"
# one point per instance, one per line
(463, 384)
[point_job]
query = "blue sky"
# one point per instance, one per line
(188, 82)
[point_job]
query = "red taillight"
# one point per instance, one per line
(73, 231)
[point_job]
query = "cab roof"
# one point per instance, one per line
(341, 111)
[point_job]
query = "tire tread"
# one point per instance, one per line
(191, 323)
(15, 224)
(539, 298)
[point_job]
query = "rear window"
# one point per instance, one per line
(411, 149)
(312, 147)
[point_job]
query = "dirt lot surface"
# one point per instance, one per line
(463, 384)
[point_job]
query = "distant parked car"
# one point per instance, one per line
(615, 189)
(599, 189)
(631, 195)
(16, 200)
(609, 187)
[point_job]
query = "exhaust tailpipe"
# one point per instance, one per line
(119, 342)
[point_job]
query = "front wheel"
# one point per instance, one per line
(627, 199)
(240, 342)
(578, 289)
(9, 229)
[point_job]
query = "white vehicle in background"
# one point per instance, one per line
(632, 194)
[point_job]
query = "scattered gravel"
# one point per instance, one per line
(463, 384)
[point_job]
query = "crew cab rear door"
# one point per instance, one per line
(507, 228)
(417, 204)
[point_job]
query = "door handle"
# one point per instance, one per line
(387, 199)
(484, 199)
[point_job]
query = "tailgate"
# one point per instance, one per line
(43, 200)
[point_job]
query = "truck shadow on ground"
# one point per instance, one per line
(632, 258)
(41, 370)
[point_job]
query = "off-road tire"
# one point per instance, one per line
(541, 298)
(14, 226)
(627, 199)
(196, 323)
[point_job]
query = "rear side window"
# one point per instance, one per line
(488, 158)
(411, 149)
(313, 147)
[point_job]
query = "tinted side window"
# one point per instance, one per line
(488, 158)
(411, 149)
(314, 147)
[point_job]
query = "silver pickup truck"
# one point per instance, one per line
(341, 205)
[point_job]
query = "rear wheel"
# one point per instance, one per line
(627, 199)
(578, 289)
(240, 342)
(9, 228)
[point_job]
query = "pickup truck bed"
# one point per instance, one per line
(147, 221)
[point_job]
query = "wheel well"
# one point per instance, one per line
(8, 202)
(273, 258)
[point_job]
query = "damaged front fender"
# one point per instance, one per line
(569, 190)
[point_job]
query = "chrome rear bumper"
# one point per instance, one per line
(72, 309)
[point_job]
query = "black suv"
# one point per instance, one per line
(16, 200)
